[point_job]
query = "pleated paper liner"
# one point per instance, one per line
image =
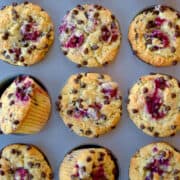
(39, 110)
(69, 161)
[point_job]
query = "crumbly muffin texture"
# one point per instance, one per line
(90, 35)
(90, 104)
(26, 33)
(154, 35)
(24, 162)
(15, 103)
(154, 162)
(89, 164)
(154, 105)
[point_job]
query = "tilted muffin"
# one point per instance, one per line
(154, 162)
(90, 35)
(27, 33)
(24, 162)
(90, 104)
(154, 35)
(90, 163)
(24, 107)
(154, 104)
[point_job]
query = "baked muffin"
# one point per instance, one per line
(27, 33)
(154, 35)
(24, 162)
(154, 103)
(89, 162)
(24, 107)
(90, 104)
(90, 35)
(154, 162)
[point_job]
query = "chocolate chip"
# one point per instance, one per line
(145, 90)
(38, 165)
(11, 102)
(2, 173)
(69, 125)
(96, 15)
(16, 122)
(84, 63)
(0, 104)
(94, 47)
(113, 17)
(150, 129)
(75, 12)
(69, 112)
(13, 151)
(88, 132)
(15, 14)
(156, 134)
(142, 126)
(89, 159)
(92, 151)
(30, 164)
(26, 2)
(173, 95)
(65, 53)
(86, 51)
(173, 134)
(28, 147)
(43, 174)
(173, 127)
(170, 24)
(86, 14)
(83, 85)
(173, 49)
(80, 22)
(74, 91)
(174, 63)
(80, 7)
(51, 175)
(5, 36)
(167, 108)
(135, 111)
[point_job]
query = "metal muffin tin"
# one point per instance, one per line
(56, 140)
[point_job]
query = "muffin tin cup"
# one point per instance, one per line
(86, 146)
(37, 116)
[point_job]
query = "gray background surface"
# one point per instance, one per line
(55, 140)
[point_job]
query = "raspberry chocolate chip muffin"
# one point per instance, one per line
(90, 104)
(154, 35)
(26, 34)
(24, 107)
(154, 105)
(155, 161)
(24, 162)
(89, 162)
(90, 35)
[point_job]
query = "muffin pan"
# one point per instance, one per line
(56, 140)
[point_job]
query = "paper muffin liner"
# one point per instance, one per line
(69, 161)
(38, 113)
